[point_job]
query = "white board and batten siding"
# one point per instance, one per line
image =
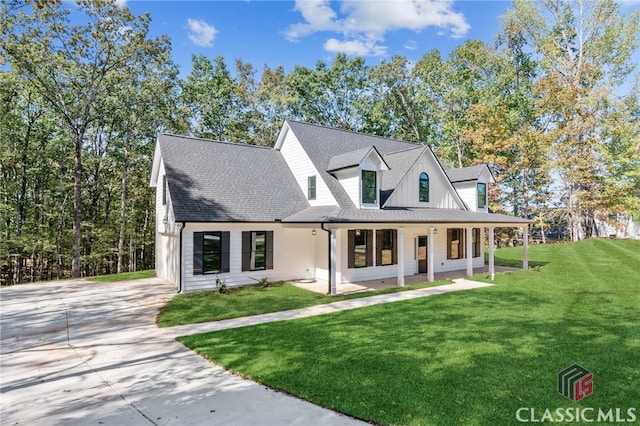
(301, 167)
(441, 193)
(167, 238)
(293, 255)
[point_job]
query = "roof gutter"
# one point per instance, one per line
(328, 231)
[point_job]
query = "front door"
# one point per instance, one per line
(422, 255)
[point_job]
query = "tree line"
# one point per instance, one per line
(552, 107)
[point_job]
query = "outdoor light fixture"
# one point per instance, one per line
(313, 232)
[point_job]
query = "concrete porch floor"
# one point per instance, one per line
(321, 286)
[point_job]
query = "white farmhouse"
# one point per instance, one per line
(324, 203)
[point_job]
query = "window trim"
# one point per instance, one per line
(249, 254)
(164, 190)
(380, 234)
(462, 253)
(351, 237)
(311, 187)
(363, 188)
(483, 198)
(198, 267)
(475, 243)
(424, 177)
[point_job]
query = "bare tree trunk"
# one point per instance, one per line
(77, 194)
(123, 205)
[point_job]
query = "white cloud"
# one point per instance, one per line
(120, 3)
(363, 24)
(355, 47)
(411, 45)
(201, 33)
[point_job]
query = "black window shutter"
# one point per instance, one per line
(369, 247)
(379, 241)
(395, 247)
(225, 252)
(449, 242)
(197, 253)
(351, 240)
(269, 243)
(246, 250)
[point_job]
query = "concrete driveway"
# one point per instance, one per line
(76, 352)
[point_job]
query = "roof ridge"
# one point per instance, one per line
(355, 133)
(418, 146)
(248, 145)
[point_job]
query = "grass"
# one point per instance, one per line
(470, 357)
(238, 302)
(125, 276)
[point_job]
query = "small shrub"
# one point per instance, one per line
(221, 285)
(264, 282)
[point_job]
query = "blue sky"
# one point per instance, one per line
(293, 33)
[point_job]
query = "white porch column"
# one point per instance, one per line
(430, 263)
(469, 251)
(492, 267)
(333, 253)
(401, 257)
(525, 247)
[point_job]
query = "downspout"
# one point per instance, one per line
(180, 259)
(328, 231)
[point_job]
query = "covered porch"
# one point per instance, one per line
(321, 286)
(419, 253)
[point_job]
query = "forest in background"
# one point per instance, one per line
(553, 107)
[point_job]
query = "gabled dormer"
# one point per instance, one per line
(472, 183)
(359, 174)
(418, 180)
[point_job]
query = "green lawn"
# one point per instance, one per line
(470, 357)
(125, 276)
(237, 302)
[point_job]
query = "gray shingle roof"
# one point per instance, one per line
(349, 159)
(216, 181)
(399, 215)
(465, 173)
(323, 143)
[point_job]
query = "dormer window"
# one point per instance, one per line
(369, 187)
(424, 187)
(482, 195)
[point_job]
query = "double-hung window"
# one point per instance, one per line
(210, 252)
(257, 250)
(482, 195)
(360, 243)
(455, 243)
(386, 247)
(369, 187)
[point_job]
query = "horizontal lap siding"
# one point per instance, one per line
(293, 254)
(302, 167)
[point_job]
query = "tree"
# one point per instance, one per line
(209, 93)
(74, 66)
(336, 95)
(585, 50)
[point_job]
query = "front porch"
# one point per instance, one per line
(322, 286)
